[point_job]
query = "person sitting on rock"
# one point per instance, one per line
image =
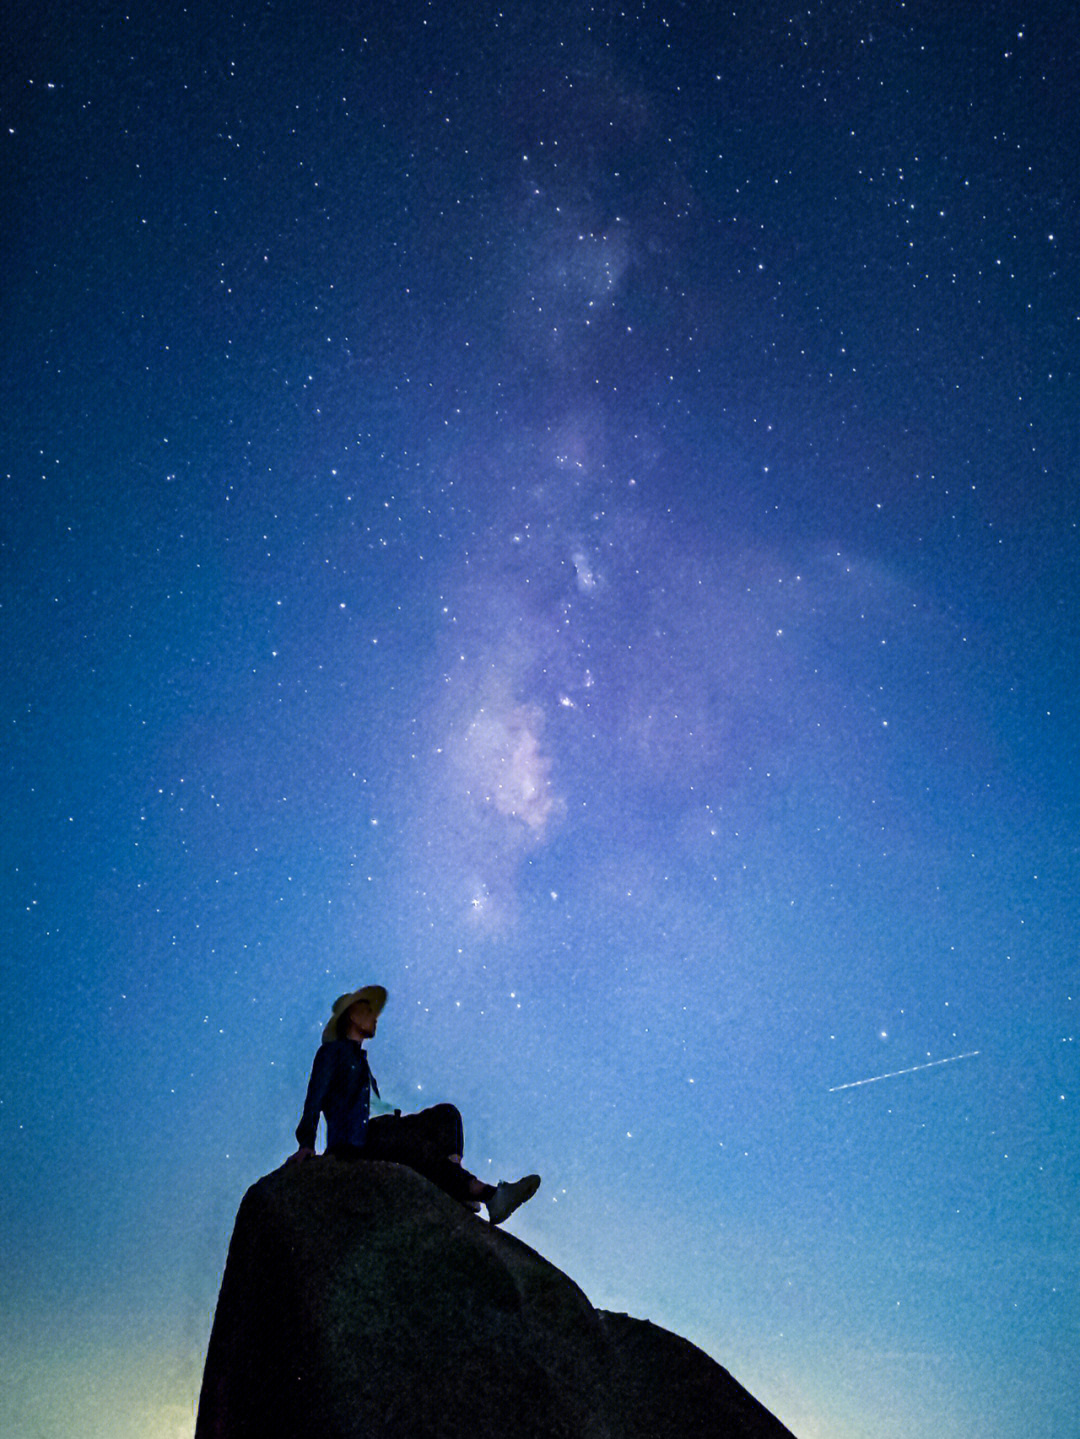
(431, 1142)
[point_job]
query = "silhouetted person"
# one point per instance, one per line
(431, 1142)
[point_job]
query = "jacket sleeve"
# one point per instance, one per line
(321, 1074)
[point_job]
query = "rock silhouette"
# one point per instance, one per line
(360, 1302)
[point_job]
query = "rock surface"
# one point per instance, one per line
(359, 1302)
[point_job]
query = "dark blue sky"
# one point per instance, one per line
(571, 516)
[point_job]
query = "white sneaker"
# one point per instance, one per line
(508, 1197)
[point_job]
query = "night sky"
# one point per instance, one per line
(570, 513)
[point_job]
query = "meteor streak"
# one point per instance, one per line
(913, 1070)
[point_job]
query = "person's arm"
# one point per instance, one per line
(318, 1084)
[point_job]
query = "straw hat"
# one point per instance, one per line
(373, 993)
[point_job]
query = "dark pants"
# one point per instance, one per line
(422, 1141)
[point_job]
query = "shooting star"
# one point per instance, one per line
(953, 1059)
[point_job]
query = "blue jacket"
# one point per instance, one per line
(340, 1087)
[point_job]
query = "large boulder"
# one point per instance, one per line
(360, 1302)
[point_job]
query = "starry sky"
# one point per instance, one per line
(569, 513)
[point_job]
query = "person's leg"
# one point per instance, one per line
(446, 1130)
(423, 1142)
(440, 1126)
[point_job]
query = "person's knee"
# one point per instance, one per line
(447, 1123)
(446, 1113)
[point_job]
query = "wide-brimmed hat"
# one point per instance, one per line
(373, 993)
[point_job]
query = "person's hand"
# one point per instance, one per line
(300, 1155)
